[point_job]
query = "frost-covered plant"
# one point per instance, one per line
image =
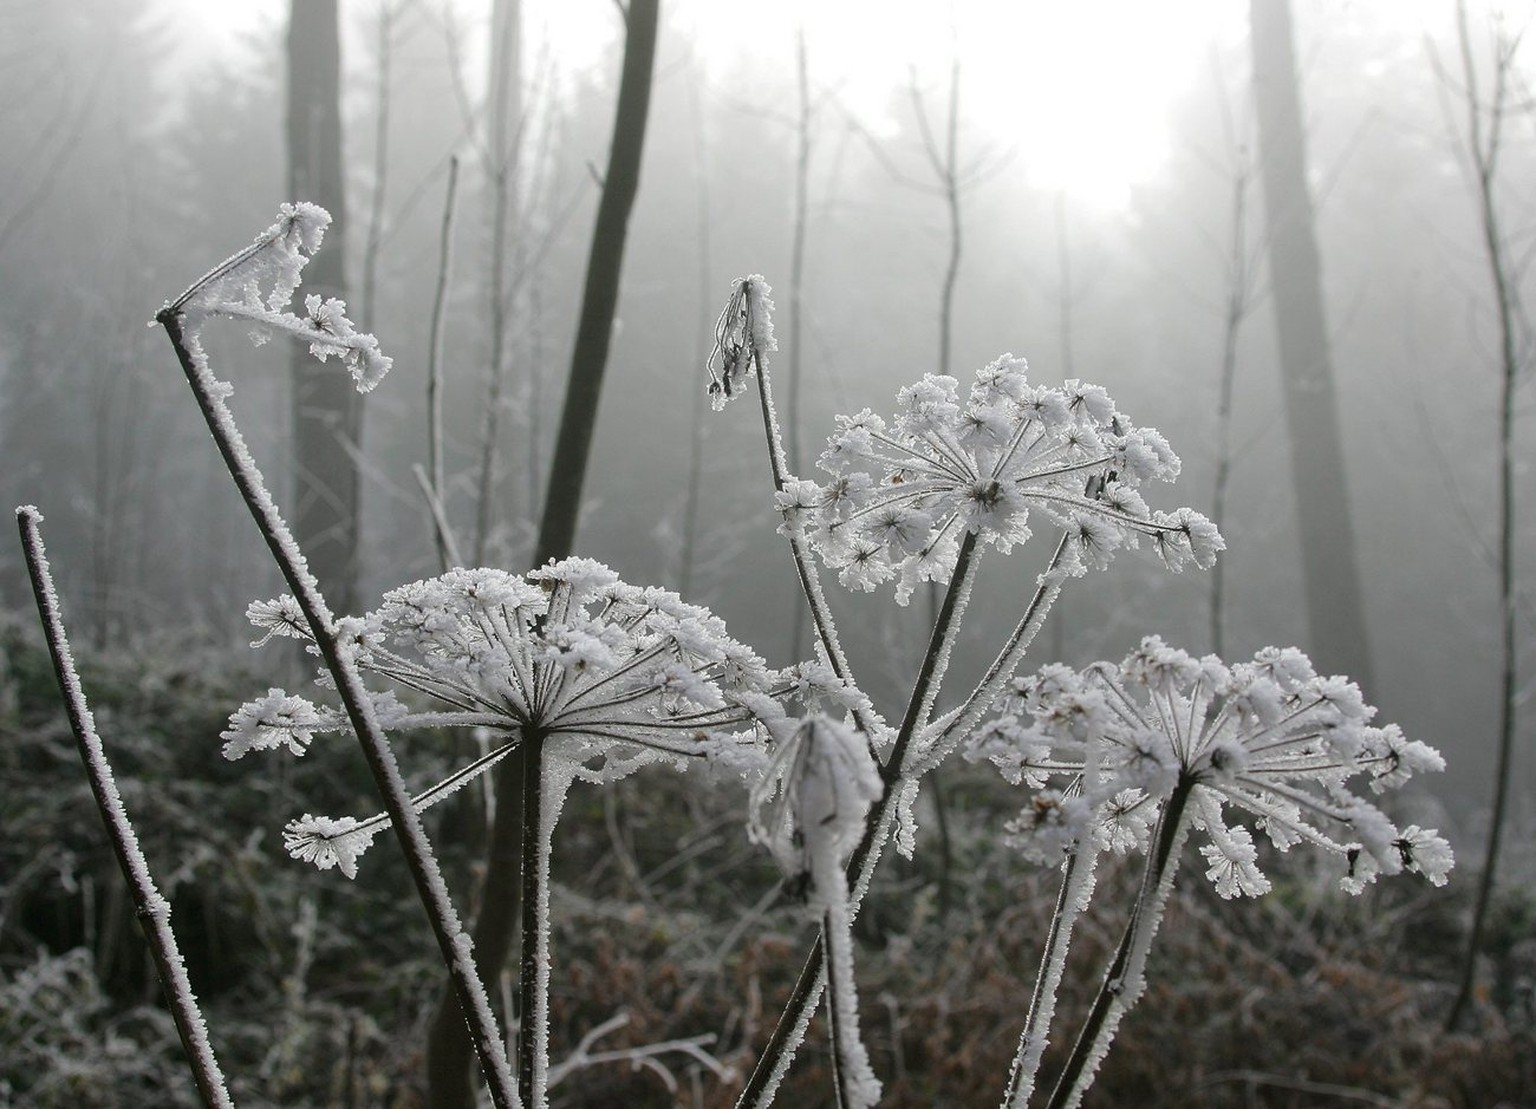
(902, 494)
(1133, 756)
(607, 676)
(256, 285)
(592, 678)
(920, 497)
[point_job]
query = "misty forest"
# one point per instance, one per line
(923, 554)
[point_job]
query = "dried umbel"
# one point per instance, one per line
(610, 676)
(903, 492)
(1270, 739)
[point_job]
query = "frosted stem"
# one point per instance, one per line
(154, 911)
(1076, 880)
(805, 564)
(453, 942)
(533, 1026)
(790, 1030)
(857, 1086)
(964, 719)
(1125, 980)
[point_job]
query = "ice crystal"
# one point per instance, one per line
(901, 493)
(611, 676)
(257, 284)
(1269, 738)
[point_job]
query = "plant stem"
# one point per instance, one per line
(533, 1027)
(455, 946)
(154, 911)
(1122, 982)
(790, 1029)
(1077, 874)
(970, 712)
(805, 566)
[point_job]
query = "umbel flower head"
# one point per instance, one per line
(1269, 738)
(610, 676)
(902, 492)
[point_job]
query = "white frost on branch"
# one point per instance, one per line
(743, 336)
(258, 283)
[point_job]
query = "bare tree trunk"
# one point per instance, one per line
(504, 125)
(688, 556)
(1239, 303)
(499, 909)
(1330, 567)
(1484, 142)
(327, 411)
(557, 530)
(374, 238)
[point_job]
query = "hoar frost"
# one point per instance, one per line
(611, 676)
(1269, 738)
(257, 284)
(902, 492)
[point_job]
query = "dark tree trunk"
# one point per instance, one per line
(557, 529)
(327, 411)
(1330, 567)
(499, 908)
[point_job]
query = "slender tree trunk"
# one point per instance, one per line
(557, 529)
(500, 906)
(327, 411)
(1484, 139)
(503, 128)
(688, 556)
(1330, 568)
(1239, 297)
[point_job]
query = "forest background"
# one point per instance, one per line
(1111, 228)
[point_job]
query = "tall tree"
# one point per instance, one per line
(1484, 139)
(327, 411)
(504, 125)
(500, 903)
(1330, 567)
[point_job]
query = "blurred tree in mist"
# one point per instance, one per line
(327, 411)
(1331, 571)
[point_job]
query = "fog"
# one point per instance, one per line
(140, 143)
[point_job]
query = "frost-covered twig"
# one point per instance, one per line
(280, 257)
(154, 910)
(1077, 880)
(643, 1055)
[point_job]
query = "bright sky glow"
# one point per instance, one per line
(1075, 93)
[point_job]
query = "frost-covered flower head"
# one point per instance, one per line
(743, 335)
(1269, 737)
(610, 676)
(258, 283)
(809, 809)
(902, 492)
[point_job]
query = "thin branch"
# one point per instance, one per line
(453, 943)
(154, 911)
